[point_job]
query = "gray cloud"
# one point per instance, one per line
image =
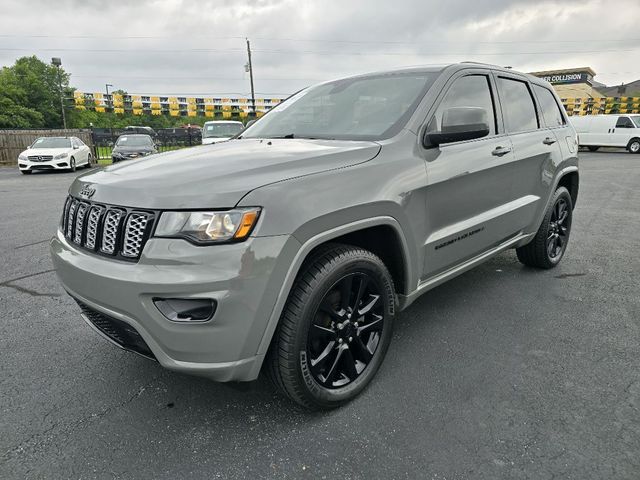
(198, 47)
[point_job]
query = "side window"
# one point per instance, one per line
(470, 91)
(517, 105)
(550, 109)
(624, 122)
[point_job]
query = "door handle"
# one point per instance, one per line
(549, 141)
(500, 151)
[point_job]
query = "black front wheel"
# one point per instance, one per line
(548, 246)
(335, 328)
(72, 164)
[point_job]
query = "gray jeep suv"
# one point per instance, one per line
(292, 247)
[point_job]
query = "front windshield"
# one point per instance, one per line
(370, 107)
(636, 120)
(221, 130)
(133, 141)
(52, 142)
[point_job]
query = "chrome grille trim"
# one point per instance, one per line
(92, 226)
(71, 217)
(80, 216)
(40, 158)
(65, 214)
(134, 234)
(110, 231)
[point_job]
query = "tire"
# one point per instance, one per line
(72, 164)
(539, 252)
(89, 161)
(26, 172)
(319, 376)
(593, 149)
(634, 145)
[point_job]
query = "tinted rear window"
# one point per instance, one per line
(517, 105)
(550, 109)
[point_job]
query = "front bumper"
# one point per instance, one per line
(119, 157)
(243, 278)
(60, 164)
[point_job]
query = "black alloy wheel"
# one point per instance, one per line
(558, 231)
(335, 328)
(548, 246)
(346, 330)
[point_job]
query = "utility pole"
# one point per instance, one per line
(250, 67)
(107, 101)
(56, 62)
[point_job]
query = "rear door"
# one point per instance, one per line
(555, 120)
(468, 193)
(535, 146)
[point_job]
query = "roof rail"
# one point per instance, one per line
(483, 63)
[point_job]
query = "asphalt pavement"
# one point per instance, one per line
(503, 372)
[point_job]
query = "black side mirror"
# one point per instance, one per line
(458, 124)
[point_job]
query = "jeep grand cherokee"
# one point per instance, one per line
(292, 247)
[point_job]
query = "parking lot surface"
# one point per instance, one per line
(503, 372)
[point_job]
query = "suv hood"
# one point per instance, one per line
(218, 176)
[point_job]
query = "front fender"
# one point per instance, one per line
(316, 240)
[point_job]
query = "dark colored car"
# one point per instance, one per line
(128, 147)
(142, 130)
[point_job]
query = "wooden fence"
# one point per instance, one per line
(13, 142)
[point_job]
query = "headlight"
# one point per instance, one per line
(208, 227)
(62, 155)
(22, 156)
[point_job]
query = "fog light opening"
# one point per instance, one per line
(186, 310)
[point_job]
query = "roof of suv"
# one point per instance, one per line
(453, 66)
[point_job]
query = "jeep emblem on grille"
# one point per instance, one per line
(87, 191)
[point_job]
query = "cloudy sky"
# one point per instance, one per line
(197, 47)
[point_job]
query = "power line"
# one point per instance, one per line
(312, 40)
(316, 52)
(188, 77)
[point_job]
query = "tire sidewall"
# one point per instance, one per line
(314, 392)
(72, 164)
(635, 142)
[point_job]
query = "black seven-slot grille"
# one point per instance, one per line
(110, 230)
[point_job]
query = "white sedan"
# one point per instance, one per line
(55, 153)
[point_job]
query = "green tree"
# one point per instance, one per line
(30, 94)
(13, 112)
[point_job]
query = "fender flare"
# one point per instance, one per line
(556, 181)
(304, 251)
